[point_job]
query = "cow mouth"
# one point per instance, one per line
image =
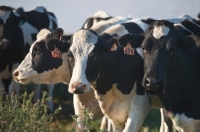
(22, 81)
(153, 87)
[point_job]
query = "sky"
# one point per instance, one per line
(71, 14)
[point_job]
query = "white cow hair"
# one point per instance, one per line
(83, 42)
(4, 15)
(41, 36)
(160, 31)
(101, 14)
(103, 25)
(39, 9)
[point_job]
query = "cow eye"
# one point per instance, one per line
(144, 50)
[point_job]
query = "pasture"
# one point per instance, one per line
(63, 121)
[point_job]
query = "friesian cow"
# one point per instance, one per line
(172, 68)
(18, 30)
(61, 68)
(138, 27)
(115, 77)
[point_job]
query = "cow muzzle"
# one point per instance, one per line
(78, 88)
(152, 83)
(17, 79)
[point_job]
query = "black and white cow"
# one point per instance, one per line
(95, 18)
(172, 68)
(57, 70)
(18, 30)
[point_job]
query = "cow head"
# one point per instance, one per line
(84, 51)
(9, 35)
(41, 65)
(161, 46)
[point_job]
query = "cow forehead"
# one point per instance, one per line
(4, 15)
(83, 42)
(159, 31)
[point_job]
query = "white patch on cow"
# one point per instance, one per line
(4, 15)
(101, 14)
(116, 29)
(184, 124)
(83, 43)
(179, 24)
(142, 25)
(139, 51)
(178, 19)
(126, 111)
(103, 25)
(160, 31)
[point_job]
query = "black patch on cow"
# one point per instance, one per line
(192, 27)
(132, 28)
(182, 30)
(6, 8)
(6, 83)
(148, 21)
(42, 59)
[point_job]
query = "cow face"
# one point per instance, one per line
(85, 49)
(41, 65)
(160, 51)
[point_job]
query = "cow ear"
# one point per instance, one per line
(131, 39)
(4, 44)
(20, 20)
(188, 42)
(110, 45)
(53, 44)
(58, 34)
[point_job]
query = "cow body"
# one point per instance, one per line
(60, 72)
(18, 31)
(171, 61)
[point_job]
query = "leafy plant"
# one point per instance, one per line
(19, 114)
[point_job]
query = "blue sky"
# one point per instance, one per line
(71, 14)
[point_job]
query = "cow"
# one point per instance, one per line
(18, 30)
(58, 67)
(95, 18)
(172, 68)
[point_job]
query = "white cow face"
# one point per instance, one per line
(83, 43)
(39, 66)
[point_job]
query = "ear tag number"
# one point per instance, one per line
(56, 53)
(128, 50)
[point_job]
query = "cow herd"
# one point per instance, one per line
(118, 67)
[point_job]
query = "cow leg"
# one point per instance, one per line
(50, 92)
(163, 125)
(140, 107)
(78, 111)
(106, 124)
(14, 86)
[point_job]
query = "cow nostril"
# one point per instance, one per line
(16, 73)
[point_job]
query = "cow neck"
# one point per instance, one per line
(70, 68)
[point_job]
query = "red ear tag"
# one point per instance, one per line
(128, 50)
(56, 53)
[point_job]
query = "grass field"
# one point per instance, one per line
(63, 121)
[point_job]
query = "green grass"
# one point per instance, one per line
(63, 121)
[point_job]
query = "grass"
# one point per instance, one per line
(63, 122)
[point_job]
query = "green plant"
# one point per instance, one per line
(19, 114)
